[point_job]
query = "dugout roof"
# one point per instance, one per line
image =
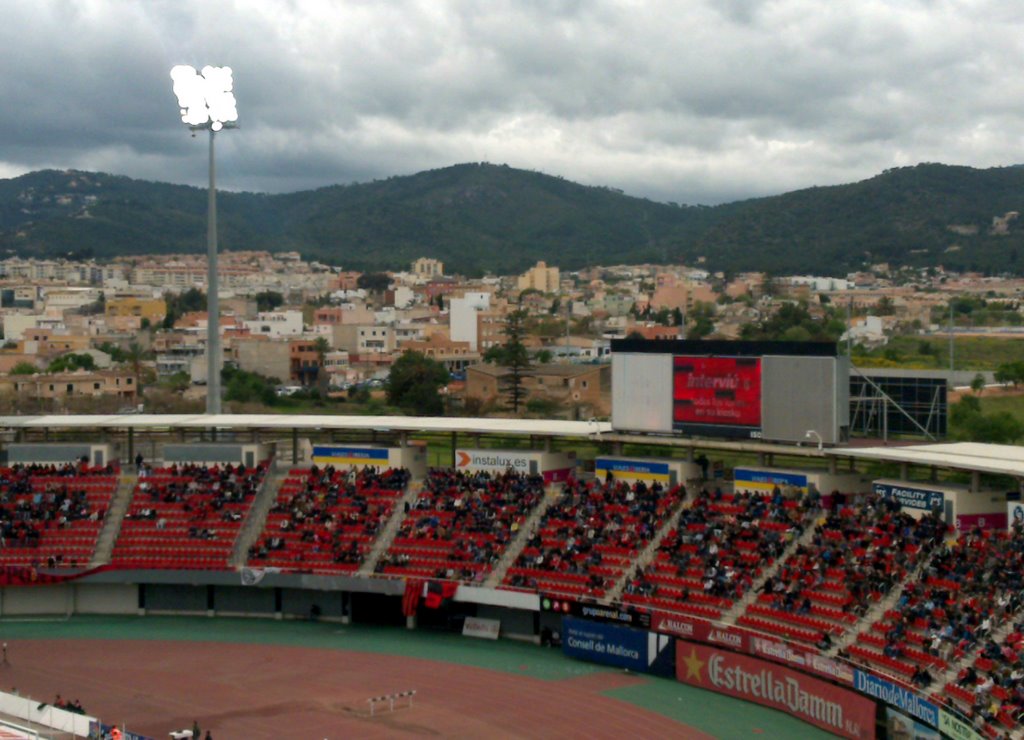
(238, 422)
(970, 456)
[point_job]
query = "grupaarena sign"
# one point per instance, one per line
(817, 702)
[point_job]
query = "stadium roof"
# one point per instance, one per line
(537, 427)
(984, 458)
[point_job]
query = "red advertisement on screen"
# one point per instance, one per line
(717, 390)
(829, 707)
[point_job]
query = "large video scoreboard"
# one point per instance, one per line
(782, 391)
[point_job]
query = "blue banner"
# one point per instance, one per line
(643, 652)
(894, 695)
(909, 497)
(640, 469)
(323, 455)
(766, 480)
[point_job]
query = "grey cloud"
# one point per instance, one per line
(689, 102)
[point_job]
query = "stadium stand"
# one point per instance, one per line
(858, 553)
(186, 516)
(51, 515)
(589, 538)
(326, 519)
(721, 544)
(461, 523)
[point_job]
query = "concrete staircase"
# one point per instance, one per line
(119, 504)
(740, 606)
(877, 611)
(999, 634)
(252, 527)
(387, 535)
(647, 555)
(526, 531)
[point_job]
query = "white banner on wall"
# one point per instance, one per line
(1014, 514)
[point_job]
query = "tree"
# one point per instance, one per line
(494, 355)
(322, 347)
(178, 304)
(71, 362)
(24, 368)
(245, 387)
(134, 356)
(968, 423)
(374, 282)
(978, 383)
(516, 360)
(1010, 372)
(268, 300)
(544, 356)
(414, 384)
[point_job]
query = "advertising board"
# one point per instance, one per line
(334, 455)
(622, 615)
(896, 696)
(716, 391)
(753, 643)
(487, 629)
(953, 727)
(633, 469)
(910, 497)
(555, 467)
(899, 726)
(805, 660)
(748, 479)
(993, 520)
(640, 651)
(817, 702)
(497, 461)
(1014, 514)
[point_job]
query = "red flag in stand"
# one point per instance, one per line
(439, 592)
(411, 599)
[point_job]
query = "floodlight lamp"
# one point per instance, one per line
(205, 98)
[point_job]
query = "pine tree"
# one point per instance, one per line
(517, 360)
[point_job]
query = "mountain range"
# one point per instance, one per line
(481, 218)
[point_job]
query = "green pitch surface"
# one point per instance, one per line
(720, 716)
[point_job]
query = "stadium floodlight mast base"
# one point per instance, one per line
(207, 102)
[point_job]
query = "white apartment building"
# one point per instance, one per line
(462, 317)
(276, 324)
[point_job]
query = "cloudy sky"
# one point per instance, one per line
(692, 101)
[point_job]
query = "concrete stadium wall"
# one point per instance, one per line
(19, 601)
(23, 601)
(106, 598)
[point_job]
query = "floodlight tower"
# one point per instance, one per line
(207, 102)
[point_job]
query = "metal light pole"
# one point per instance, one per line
(213, 354)
(207, 102)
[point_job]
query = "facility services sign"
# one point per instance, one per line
(894, 695)
(910, 497)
